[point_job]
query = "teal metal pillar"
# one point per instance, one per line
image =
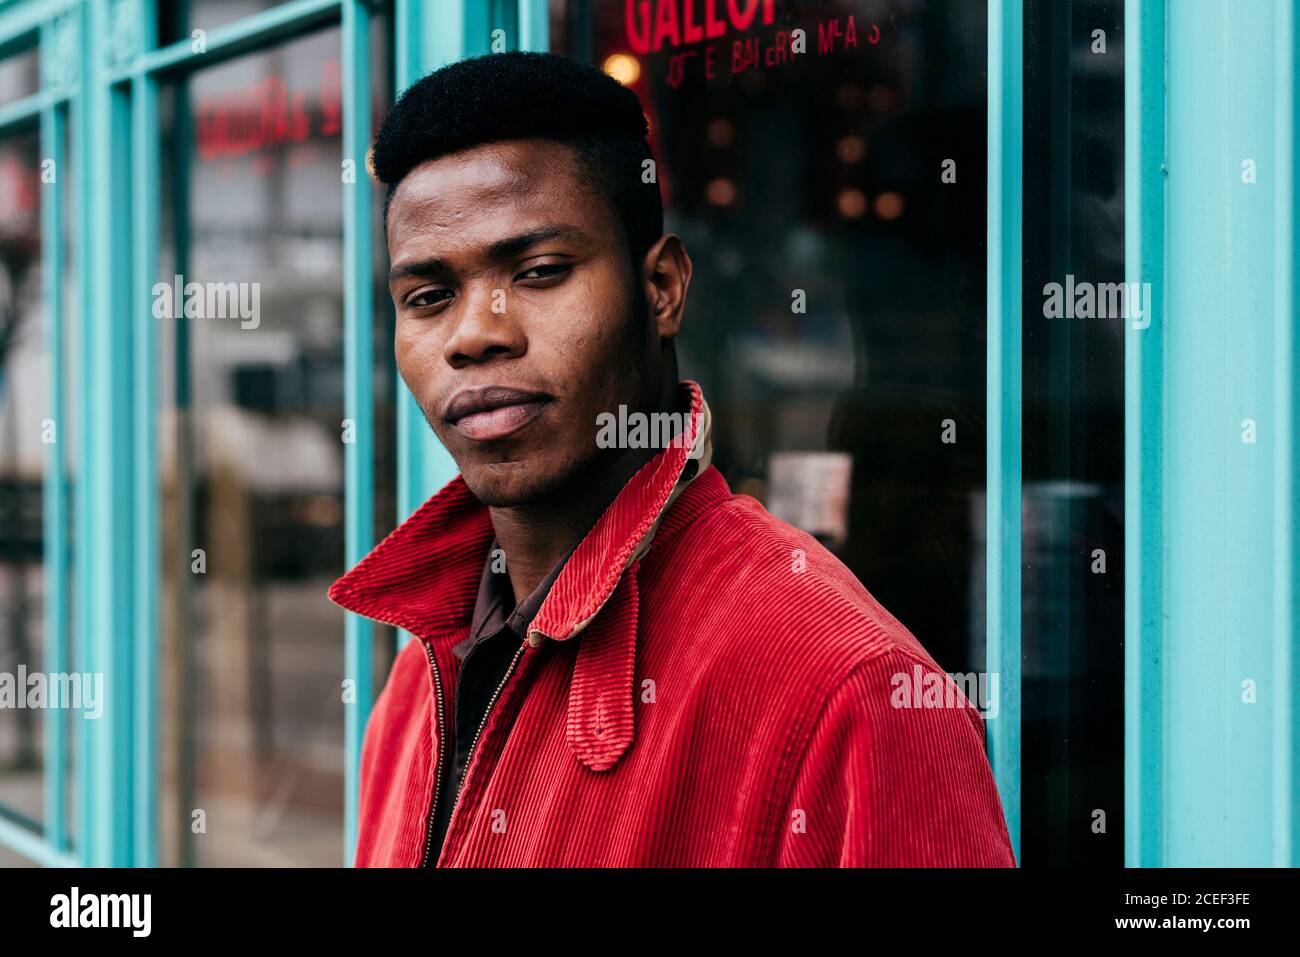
(534, 25)
(1210, 403)
(146, 641)
(105, 557)
(1005, 240)
(358, 369)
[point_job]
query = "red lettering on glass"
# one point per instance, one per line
(265, 116)
(779, 51)
(653, 24)
(714, 26)
(636, 14)
(666, 27)
(741, 21)
(21, 187)
(692, 32)
(331, 100)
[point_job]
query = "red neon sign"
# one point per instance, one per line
(654, 24)
(267, 115)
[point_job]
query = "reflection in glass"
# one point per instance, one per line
(19, 75)
(253, 462)
(24, 398)
(1073, 500)
(181, 19)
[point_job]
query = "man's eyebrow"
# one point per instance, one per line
(423, 269)
(505, 248)
(501, 249)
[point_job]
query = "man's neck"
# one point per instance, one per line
(536, 536)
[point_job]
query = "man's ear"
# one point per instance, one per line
(665, 276)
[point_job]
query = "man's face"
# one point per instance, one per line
(515, 322)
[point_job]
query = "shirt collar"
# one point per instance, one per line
(495, 596)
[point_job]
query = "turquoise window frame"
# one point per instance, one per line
(1211, 543)
(101, 98)
(1002, 649)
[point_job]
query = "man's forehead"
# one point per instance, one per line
(509, 171)
(479, 196)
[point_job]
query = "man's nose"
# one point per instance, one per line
(485, 328)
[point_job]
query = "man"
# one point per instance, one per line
(617, 661)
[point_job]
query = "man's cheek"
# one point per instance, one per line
(404, 354)
(418, 365)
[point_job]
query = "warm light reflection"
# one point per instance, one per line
(851, 203)
(889, 206)
(722, 192)
(624, 68)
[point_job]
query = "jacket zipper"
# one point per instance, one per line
(442, 731)
(469, 757)
(442, 754)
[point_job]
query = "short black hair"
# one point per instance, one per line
(517, 95)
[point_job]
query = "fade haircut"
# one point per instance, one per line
(509, 96)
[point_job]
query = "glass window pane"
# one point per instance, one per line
(10, 858)
(1072, 749)
(178, 19)
(20, 75)
(253, 463)
(70, 454)
(24, 405)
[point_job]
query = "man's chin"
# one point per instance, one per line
(536, 479)
(511, 484)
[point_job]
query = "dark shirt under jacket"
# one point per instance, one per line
(497, 629)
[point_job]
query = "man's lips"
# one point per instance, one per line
(493, 411)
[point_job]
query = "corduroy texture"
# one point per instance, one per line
(729, 704)
(601, 710)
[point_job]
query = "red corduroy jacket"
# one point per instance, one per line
(704, 685)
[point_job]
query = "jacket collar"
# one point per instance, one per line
(624, 533)
(424, 577)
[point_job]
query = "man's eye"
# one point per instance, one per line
(428, 297)
(545, 271)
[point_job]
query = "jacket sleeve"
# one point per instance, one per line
(883, 784)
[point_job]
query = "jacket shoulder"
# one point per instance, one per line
(766, 600)
(775, 628)
(760, 581)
